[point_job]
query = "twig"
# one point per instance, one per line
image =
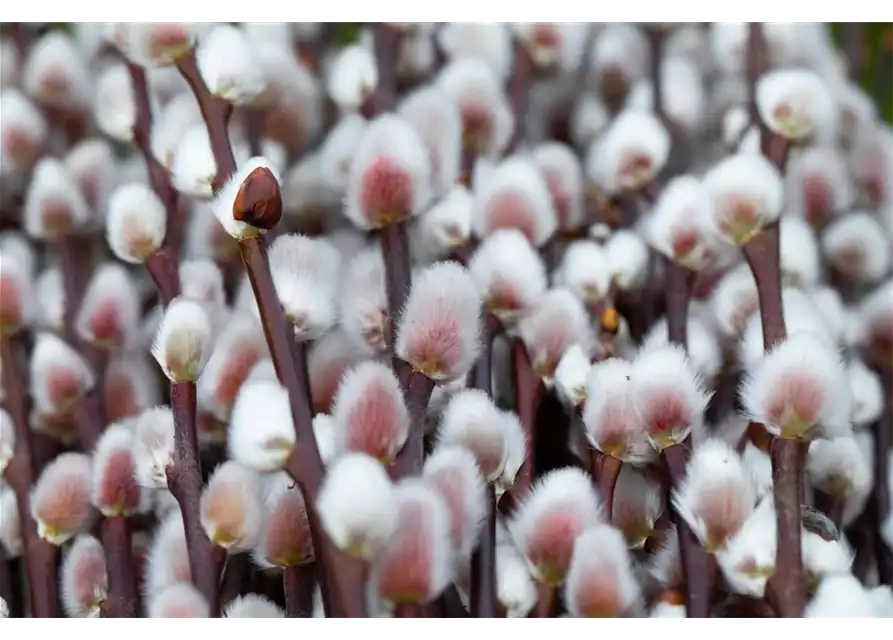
(881, 495)
(483, 565)
(40, 556)
(605, 471)
(418, 392)
(184, 479)
(528, 393)
(123, 594)
(763, 256)
(519, 92)
(297, 583)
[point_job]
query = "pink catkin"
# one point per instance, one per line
(386, 191)
(818, 201)
(241, 360)
(104, 324)
(435, 342)
(550, 545)
(117, 486)
(449, 483)
(510, 211)
(65, 505)
(10, 302)
(325, 377)
(63, 387)
(477, 123)
(406, 572)
(665, 411)
(287, 542)
(560, 198)
(90, 576)
(797, 393)
(372, 419)
(121, 398)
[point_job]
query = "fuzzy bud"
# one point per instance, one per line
(357, 505)
(563, 505)
(54, 206)
(796, 104)
(353, 77)
(110, 310)
(152, 44)
(678, 225)
(183, 341)
(228, 65)
(180, 600)
(253, 605)
(60, 501)
(115, 491)
(231, 507)
(559, 322)
(285, 538)
(59, 375)
(600, 580)
(84, 580)
(153, 446)
(612, 424)
(261, 431)
(437, 120)
(454, 472)
(439, 331)
(629, 154)
(135, 223)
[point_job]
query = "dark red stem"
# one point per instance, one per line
(883, 433)
(418, 392)
(528, 392)
(297, 583)
(483, 565)
(184, 478)
(394, 239)
(605, 471)
(39, 555)
(123, 600)
(697, 565)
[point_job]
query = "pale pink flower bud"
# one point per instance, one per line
(183, 342)
(59, 375)
(60, 501)
(201, 280)
(446, 225)
(364, 304)
(628, 256)
(717, 495)
(167, 562)
(415, 565)
(868, 393)
(110, 310)
(22, 131)
(10, 529)
(678, 224)
(306, 273)
(253, 605)
(193, 167)
(115, 108)
(390, 174)
(748, 559)
(439, 331)
(92, 164)
(487, 119)
(557, 323)
(734, 301)
(544, 527)
(352, 77)
(801, 316)
(227, 63)
(874, 324)
(472, 421)
(629, 154)
(564, 178)
(180, 600)
(238, 348)
(454, 472)
(171, 123)
(332, 165)
(115, 491)
(515, 196)
(231, 507)
(668, 395)
(284, 540)
(329, 359)
(261, 431)
(817, 184)
(586, 271)
(683, 96)
(746, 193)
(796, 104)
(600, 581)
(515, 588)
(153, 446)
(130, 386)
(84, 580)
(55, 73)
(638, 503)
(487, 41)
(572, 375)
(858, 247)
(841, 596)
(509, 273)
(704, 348)
(54, 206)
(152, 44)
(800, 260)
(613, 425)
(871, 164)
(358, 506)
(838, 468)
(17, 307)
(800, 387)
(436, 119)
(135, 223)
(370, 413)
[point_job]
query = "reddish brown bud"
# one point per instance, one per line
(259, 201)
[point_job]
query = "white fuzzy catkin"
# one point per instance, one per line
(796, 104)
(56, 73)
(183, 342)
(22, 131)
(487, 41)
(192, 165)
(261, 431)
(629, 154)
(154, 446)
(228, 66)
(678, 224)
(135, 223)
(748, 559)
(609, 415)
(53, 361)
(601, 581)
(152, 44)
(436, 119)
(353, 77)
(858, 247)
(54, 206)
